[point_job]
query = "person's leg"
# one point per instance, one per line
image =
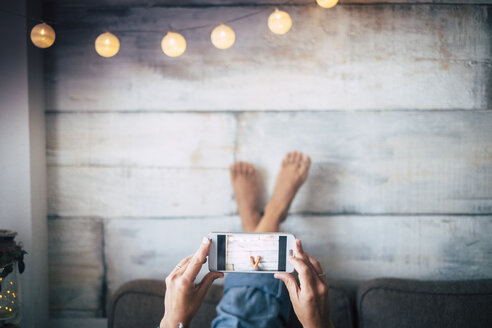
(259, 300)
(244, 181)
(293, 172)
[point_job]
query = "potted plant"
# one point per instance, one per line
(11, 263)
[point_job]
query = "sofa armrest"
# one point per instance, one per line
(410, 303)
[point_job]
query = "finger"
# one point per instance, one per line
(181, 266)
(299, 251)
(306, 273)
(314, 263)
(196, 262)
(207, 281)
(317, 267)
(290, 283)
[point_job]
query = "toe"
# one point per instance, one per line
(251, 169)
(285, 160)
(297, 157)
(241, 167)
(233, 169)
(306, 160)
(290, 157)
(245, 168)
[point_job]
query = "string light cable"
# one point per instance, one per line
(173, 44)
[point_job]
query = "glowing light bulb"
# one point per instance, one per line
(223, 37)
(43, 35)
(279, 22)
(327, 3)
(173, 44)
(107, 45)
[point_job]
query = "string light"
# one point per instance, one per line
(279, 22)
(173, 44)
(327, 3)
(43, 35)
(107, 45)
(223, 37)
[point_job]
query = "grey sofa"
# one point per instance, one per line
(376, 303)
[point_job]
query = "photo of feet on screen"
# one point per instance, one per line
(252, 253)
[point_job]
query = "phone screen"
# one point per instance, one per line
(238, 252)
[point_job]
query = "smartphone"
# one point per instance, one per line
(250, 252)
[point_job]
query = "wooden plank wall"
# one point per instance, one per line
(392, 101)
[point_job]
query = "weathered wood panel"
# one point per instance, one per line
(370, 162)
(361, 248)
(350, 57)
(349, 247)
(378, 162)
(110, 192)
(143, 140)
(75, 267)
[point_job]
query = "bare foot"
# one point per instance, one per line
(244, 181)
(293, 172)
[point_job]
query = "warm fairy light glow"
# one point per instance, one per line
(107, 45)
(223, 37)
(43, 35)
(327, 3)
(279, 22)
(173, 44)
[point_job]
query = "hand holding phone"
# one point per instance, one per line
(184, 297)
(310, 300)
(251, 252)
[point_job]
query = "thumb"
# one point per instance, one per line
(207, 281)
(290, 283)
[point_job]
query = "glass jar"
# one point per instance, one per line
(10, 300)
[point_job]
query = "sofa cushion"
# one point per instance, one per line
(410, 303)
(140, 303)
